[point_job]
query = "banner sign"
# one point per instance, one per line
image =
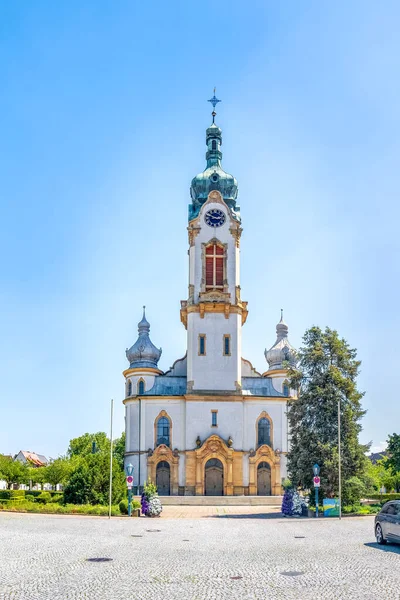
(331, 507)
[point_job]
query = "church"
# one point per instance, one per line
(212, 424)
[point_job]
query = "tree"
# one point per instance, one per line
(393, 452)
(12, 471)
(119, 450)
(58, 471)
(36, 475)
(326, 374)
(89, 482)
(84, 444)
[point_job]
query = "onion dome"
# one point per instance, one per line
(281, 351)
(143, 353)
(213, 177)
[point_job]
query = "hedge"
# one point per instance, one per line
(383, 497)
(67, 509)
(12, 494)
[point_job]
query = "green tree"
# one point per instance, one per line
(58, 471)
(12, 471)
(89, 482)
(326, 374)
(36, 475)
(83, 445)
(393, 453)
(119, 450)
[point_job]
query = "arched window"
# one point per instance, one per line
(285, 389)
(214, 267)
(140, 387)
(129, 388)
(264, 432)
(213, 145)
(163, 428)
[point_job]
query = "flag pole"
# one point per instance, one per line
(111, 457)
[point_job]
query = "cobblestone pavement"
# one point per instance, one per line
(232, 557)
(197, 512)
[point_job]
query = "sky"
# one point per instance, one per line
(103, 112)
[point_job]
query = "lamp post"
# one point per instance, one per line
(129, 482)
(316, 485)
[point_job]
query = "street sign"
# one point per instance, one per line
(129, 481)
(317, 481)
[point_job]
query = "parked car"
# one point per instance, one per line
(387, 523)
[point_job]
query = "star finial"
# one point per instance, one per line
(214, 101)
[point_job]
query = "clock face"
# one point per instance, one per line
(215, 217)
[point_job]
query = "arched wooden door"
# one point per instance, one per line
(263, 479)
(163, 478)
(214, 478)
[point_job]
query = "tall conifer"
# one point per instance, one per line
(326, 373)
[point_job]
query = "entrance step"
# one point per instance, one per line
(221, 500)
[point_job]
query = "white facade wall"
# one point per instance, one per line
(190, 419)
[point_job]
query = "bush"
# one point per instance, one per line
(123, 507)
(57, 498)
(44, 497)
(353, 490)
(30, 498)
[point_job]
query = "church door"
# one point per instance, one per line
(264, 479)
(163, 478)
(214, 478)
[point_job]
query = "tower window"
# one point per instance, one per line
(213, 145)
(129, 388)
(202, 344)
(227, 345)
(140, 387)
(214, 267)
(285, 389)
(214, 418)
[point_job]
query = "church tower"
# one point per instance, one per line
(214, 313)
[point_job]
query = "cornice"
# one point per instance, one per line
(139, 370)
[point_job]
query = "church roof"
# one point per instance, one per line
(165, 385)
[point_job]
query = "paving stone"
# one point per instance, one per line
(229, 556)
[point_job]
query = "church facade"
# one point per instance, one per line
(212, 424)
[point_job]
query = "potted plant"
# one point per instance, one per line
(151, 503)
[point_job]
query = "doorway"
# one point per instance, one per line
(263, 479)
(163, 478)
(214, 478)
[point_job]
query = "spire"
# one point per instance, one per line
(213, 177)
(143, 353)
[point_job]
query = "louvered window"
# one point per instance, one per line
(214, 267)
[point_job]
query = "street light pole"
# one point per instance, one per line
(316, 470)
(340, 463)
(129, 482)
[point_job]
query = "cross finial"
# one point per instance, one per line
(144, 311)
(214, 101)
(281, 314)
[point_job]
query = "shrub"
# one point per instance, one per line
(57, 498)
(44, 497)
(123, 507)
(353, 490)
(30, 498)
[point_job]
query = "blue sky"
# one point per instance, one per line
(103, 114)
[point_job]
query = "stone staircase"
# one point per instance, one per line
(221, 500)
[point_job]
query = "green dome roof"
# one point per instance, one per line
(213, 177)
